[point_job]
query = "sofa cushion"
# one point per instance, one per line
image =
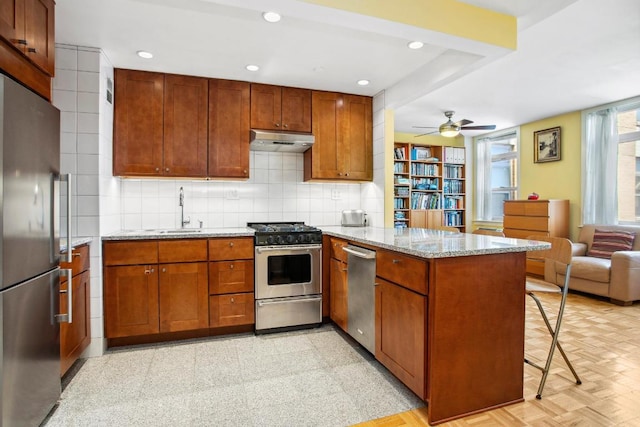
(591, 268)
(605, 243)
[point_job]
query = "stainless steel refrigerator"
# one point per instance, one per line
(29, 255)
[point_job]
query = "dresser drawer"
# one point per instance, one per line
(529, 208)
(522, 234)
(228, 277)
(186, 250)
(402, 269)
(231, 248)
(130, 253)
(533, 223)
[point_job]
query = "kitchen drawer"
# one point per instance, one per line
(226, 277)
(130, 253)
(80, 260)
(534, 223)
(402, 269)
(231, 310)
(185, 250)
(525, 207)
(231, 249)
(336, 249)
(522, 234)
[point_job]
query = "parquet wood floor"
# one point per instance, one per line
(603, 342)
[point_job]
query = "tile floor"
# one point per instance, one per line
(316, 377)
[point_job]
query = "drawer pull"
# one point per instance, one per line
(164, 270)
(20, 41)
(233, 300)
(231, 266)
(230, 244)
(76, 254)
(396, 261)
(32, 50)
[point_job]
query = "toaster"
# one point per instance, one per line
(354, 218)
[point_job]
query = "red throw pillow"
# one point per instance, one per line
(605, 243)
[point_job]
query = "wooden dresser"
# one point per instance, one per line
(523, 218)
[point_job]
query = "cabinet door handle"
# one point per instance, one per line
(231, 266)
(285, 126)
(75, 254)
(244, 171)
(396, 261)
(164, 270)
(32, 50)
(233, 300)
(277, 125)
(166, 170)
(339, 173)
(157, 169)
(147, 271)
(20, 41)
(376, 284)
(230, 244)
(346, 174)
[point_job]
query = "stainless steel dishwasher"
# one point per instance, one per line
(361, 275)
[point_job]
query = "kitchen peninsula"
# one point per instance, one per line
(449, 307)
(449, 313)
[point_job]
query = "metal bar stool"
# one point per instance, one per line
(558, 258)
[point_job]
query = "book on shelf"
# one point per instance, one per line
(425, 201)
(402, 180)
(400, 153)
(424, 169)
(454, 155)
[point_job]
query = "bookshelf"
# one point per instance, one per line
(429, 186)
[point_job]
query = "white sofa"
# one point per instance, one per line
(617, 278)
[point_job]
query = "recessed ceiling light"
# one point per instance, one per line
(144, 54)
(271, 16)
(415, 45)
(252, 67)
(363, 82)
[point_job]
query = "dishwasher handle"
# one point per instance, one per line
(360, 252)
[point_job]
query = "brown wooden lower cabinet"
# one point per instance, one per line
(183, 292)
(338, 292)
(231, 310)
(131, 300)
(401, 320)
(75, 337)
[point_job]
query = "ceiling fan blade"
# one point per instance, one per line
(481, 127)
(463, 122)
(428, 133)
(425, 127)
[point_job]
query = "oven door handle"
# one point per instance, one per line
(262, 303)
(305, 249)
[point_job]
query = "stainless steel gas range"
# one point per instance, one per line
(288, 276)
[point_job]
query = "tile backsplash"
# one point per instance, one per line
(274, 192)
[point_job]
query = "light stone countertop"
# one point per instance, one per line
(75, 242)
(427, 243)
(187, 233)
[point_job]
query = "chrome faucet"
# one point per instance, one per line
(183, 222)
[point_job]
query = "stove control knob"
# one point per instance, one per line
(270, 240)
(307, 238)
(278, 240)
(291, 238)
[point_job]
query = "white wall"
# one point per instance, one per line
(372, 194)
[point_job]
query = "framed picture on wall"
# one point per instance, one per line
(546, 145)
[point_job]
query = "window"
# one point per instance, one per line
(611, 164)
(628, 125)
(497, 174)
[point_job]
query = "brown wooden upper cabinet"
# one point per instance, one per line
(229, 105)
(160, 124)
(343, 149)
(28, 25)
(280, 108)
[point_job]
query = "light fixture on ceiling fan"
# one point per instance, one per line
(451, 129)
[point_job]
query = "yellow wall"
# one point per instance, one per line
(554, 180)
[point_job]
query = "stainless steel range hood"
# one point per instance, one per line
(262, 140)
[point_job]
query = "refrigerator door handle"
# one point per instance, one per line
(67, 178)
(68, 316)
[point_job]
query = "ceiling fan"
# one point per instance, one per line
(451, 129)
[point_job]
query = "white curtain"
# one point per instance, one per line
(483, 180)
(599, 168)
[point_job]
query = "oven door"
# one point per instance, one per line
(286, 271)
